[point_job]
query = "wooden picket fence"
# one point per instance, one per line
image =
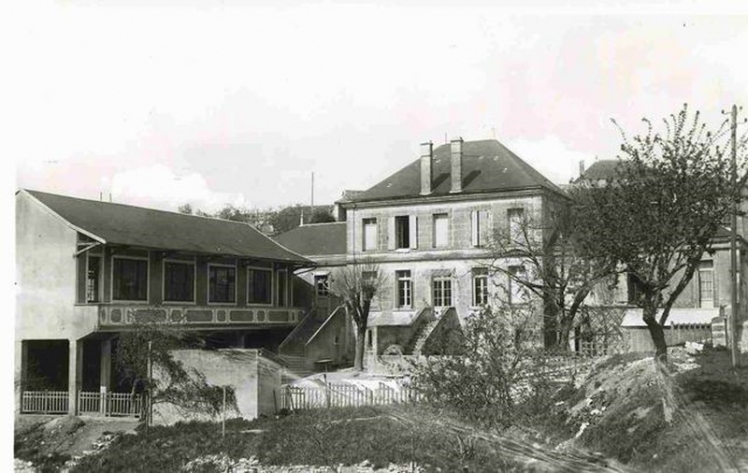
(344, 395)
(109, 404)
(45, 402)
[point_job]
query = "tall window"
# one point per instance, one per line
(706, 283)
(515, 218)
(259, 286)
(282, 286)
(404, 289)
(402, 232)
(441, 230)
(221, 284)
(93, 279)
(517, 292)
(442, 291)
(480, 286)
(129, 279)
(370, 234)
(179, 282)
(322, 283)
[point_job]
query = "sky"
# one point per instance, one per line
(165, 103)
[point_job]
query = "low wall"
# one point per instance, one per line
(638, 339)
(252, 376)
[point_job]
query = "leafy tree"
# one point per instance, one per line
(658, 215)
(553, 265)
(144, 358)
(185, 209)
(289, 218)
(356, 285)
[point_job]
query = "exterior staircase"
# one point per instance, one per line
(423, 335)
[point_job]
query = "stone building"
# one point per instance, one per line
(427, 227)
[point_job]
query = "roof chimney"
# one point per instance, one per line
(427, 173)
(581, 168)
(456, 148)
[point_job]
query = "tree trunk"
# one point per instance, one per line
(657, 334)
(358, 360)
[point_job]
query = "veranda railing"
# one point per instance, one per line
(89, 403)
(45, 402)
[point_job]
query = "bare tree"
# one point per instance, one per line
(356, 285)
(549, 263)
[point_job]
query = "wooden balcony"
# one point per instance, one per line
(117, 317)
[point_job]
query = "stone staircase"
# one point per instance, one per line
(423, 335)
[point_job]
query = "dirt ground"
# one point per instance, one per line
(691, 415)
(52, 439)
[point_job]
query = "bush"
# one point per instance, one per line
(500, 362)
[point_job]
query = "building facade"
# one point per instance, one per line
(428, 228)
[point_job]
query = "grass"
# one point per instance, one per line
(29, 445)
(380, 435)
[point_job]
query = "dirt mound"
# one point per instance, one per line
(683, 416)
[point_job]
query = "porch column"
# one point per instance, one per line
(20, 374)
(241, 340)
(105, 373)
(75, 371)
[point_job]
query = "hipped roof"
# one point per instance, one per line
(487, 166)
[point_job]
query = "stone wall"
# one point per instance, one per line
(252, 376)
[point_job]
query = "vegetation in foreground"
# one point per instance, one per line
(380, 435)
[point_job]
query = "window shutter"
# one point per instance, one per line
(475, 228)
(391, 233)
(486, 227)
(413, 227)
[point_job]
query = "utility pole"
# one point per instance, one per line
(733, 326)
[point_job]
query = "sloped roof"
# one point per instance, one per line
(602, 170)
(487, 165)
(138, 226)
(316, 239)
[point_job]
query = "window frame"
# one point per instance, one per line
(479, 274)
(710, 271)
(325, 285)
(147, 279)
(221, 265)
(99, 279)
(249, 281)
(192, 263)
(402, 232)
(400, 275)
(442, 281)
(371, 221)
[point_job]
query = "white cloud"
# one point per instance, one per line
(551, 157)
(158, 186)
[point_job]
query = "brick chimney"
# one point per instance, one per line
(427, 173)
(456, 165)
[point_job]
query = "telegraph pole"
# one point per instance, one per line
(733, 326)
